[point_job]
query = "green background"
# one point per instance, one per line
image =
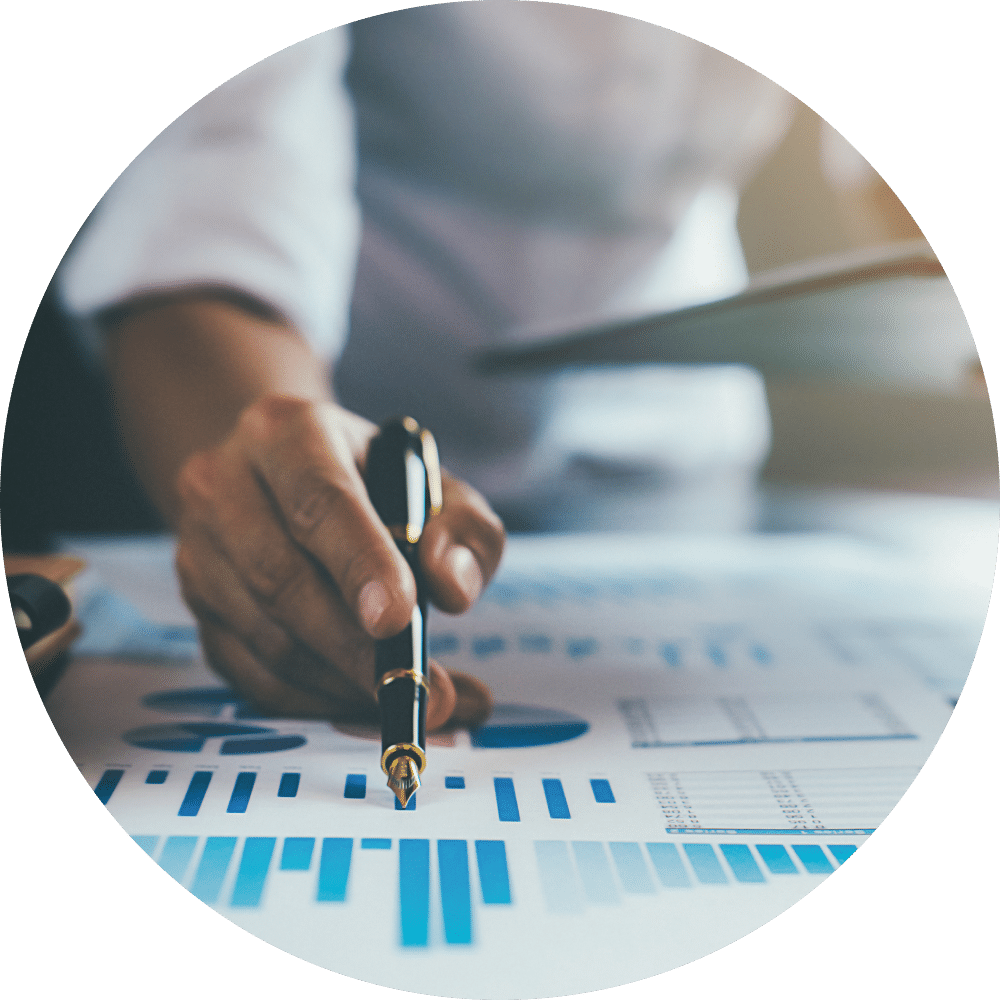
(87, 85)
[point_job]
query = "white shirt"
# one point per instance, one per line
(428, 181)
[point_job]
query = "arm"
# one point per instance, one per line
(228, 417)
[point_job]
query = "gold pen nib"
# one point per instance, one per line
(404, 779)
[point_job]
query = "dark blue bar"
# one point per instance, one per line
(632, 871)
(456, 899)
(705, 864)
(297, 853)
(777, 859)
(451, 781)
(841, 851)
(813, 859)
(334, 867)
(555, 798)
(108, 783)
(494, 881)
(355, 786)
(253, 870)
(507, 809)
(669, 867)
(212, 868)
(410, 805)
(440, 644)
(375, 843)
(176, 856)
(146, 842)
(288, 788)
(195, 793)
(156, 777)
(242, 788)
(488, 646)
(414, 891)
(742, 863)
(602, 790)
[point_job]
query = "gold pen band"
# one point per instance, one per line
(410, 749)
(400, 673)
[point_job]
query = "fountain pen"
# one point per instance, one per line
(403, 479)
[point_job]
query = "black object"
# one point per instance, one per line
(404, 483)
(42, 602)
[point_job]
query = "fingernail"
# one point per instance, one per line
(466, 571)
(372, 603)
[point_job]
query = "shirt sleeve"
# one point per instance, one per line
(251, 189)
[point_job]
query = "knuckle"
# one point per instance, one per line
(195, 479)
(272, 572)
(313, 500)
(269, 416)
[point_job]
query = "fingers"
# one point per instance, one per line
(461, 547)
(311, 476)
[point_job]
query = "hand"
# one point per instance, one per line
(292, 576)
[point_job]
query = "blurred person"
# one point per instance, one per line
(330, 236)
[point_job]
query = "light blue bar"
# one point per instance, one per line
(632, 871)
(334, 868)
(715, 652)
(195, 793)
(595, 873)
(669, 867)
(494, 881)
(555, 798)
(507, 809)
(146, 842)
(375, 843)
(242, 789)
(579, 648)
(253, 870)
(414, 892)
(176, 856)
(705, 864)
(105, 788)
(297, 853)
(813, 859)
(559, 884)
(456, 897)
(355, 786)
(212, 868)
(841, 851)
(777, 859)
(671, 654)
(601, 788)
(453, 781)
(742, 863)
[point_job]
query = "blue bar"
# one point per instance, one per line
(212, 868)
(375, 843)
(451, 781)
(414, 891)
(705, 864)
(777, 859)
(456, 898)
(108, 783)
(535, 643)
(742, 863)
(761, 654)
(441, 644)
(334, 867)
(355, 786)
(841, 851)
(195, 793)
(494, 881)
(297, 853)
(579, 648)
(671, 654)
(555, 798)
(601, 788)
(632, 871)
(176, 856)
(595, 873)
(488, 646)
(507, 809)
(715, 652)
(156, 777)
(252, 875)
(558, 879)
(813, 859)
(411, 804)
(288, 787)
(242, 788)
(669, 867)
(146, 842)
